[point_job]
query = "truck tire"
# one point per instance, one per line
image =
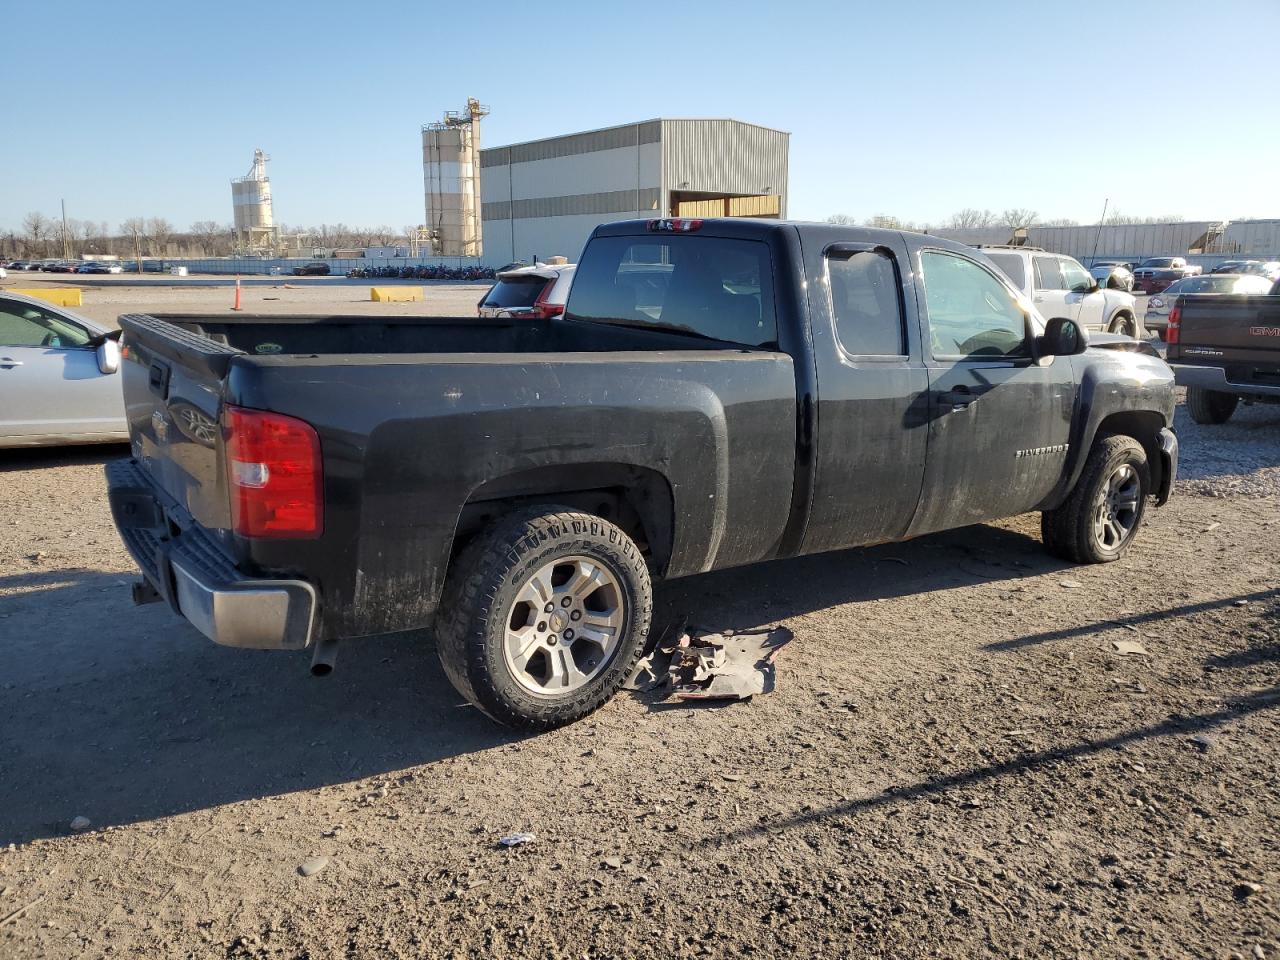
(543, 616)
(1210, 406)
(1098, 521)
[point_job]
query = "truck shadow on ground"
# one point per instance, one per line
(123, 714)
(1037, 760)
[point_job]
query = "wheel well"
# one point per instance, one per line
(637, 499)
(1144, 426)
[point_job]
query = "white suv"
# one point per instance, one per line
(541, 290)
(1059, 287)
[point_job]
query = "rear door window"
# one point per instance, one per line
(520, 292)
(1049, 274)
(866, 299)
(1011, 264)
(714, 287)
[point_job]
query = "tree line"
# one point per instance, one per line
(1013, 219)
(41, 236)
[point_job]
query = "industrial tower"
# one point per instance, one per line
(451, 170)
(256, 232)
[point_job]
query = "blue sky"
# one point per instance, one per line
(910, 109)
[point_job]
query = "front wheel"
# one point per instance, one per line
(543, 616)
(1100, 518)
(1210, 406)
(1124, 324)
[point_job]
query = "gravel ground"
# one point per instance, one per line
(957, 761)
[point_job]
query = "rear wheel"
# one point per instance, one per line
(1210, 406)
(543, 616)
(1102, 515)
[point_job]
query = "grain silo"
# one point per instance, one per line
(251, 205)
(451, 171)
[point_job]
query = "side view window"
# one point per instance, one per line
(866, 300)
(1076, 276)
(22, 325)
(971, 313)
(1049, 274)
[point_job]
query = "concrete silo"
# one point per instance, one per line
(256, 231)
(451, 171)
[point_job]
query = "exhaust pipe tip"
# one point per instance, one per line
(326, 654)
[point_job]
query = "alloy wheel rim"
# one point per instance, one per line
(1115, 514)
(564, 625)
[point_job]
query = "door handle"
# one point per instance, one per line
(9, 362)
(958, 398)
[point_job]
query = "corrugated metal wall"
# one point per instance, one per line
(724, 156)
(1124, 240)
(1258, 238)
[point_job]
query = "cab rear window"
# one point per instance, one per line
(710, 286)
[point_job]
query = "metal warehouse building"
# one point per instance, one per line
(543, 198)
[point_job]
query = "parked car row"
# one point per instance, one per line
(1258, 268)
(64, 266)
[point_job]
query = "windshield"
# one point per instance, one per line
(1157, 262)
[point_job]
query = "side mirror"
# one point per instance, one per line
(1062, 338)
(108, 356)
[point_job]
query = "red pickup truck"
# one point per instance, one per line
(1155, 274)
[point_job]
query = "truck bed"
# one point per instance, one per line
(1237, 337)
(418, 418)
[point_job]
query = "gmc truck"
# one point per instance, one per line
(716, 393)
(1225, 349)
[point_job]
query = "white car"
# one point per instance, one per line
(1159, 304)
(1059, 287)
(59, 377)
(541, 290)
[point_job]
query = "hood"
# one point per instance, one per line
(1118, 341)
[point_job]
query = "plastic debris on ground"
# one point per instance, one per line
(701, 665)
(516, 839)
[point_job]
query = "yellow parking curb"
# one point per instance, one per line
(395, 294)
(59, 296)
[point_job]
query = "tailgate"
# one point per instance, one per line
(172, 380)
(1231, 330)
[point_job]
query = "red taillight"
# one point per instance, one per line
(544, 310)
(1172, 331)
(274, 474)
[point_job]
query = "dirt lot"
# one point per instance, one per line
(956, 761)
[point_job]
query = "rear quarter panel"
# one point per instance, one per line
(408, 440)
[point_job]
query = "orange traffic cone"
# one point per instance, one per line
(237, 306)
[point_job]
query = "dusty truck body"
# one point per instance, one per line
(1225, 349)
(717, 393)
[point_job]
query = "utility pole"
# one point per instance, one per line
(1098, 236)
(66, 240)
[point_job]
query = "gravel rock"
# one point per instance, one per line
(80, 824)
(312, 865)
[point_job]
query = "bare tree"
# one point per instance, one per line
(1018, 218)
(971, 218)
(1123, 219)
(383, 236)
(214, 237)
(159, 231)
(35, 227)
(843, 219)
(1060, 222)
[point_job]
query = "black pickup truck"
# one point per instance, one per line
(717, 393)
(1225, 348)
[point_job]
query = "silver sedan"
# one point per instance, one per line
(59, 377)
(1159, 304)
